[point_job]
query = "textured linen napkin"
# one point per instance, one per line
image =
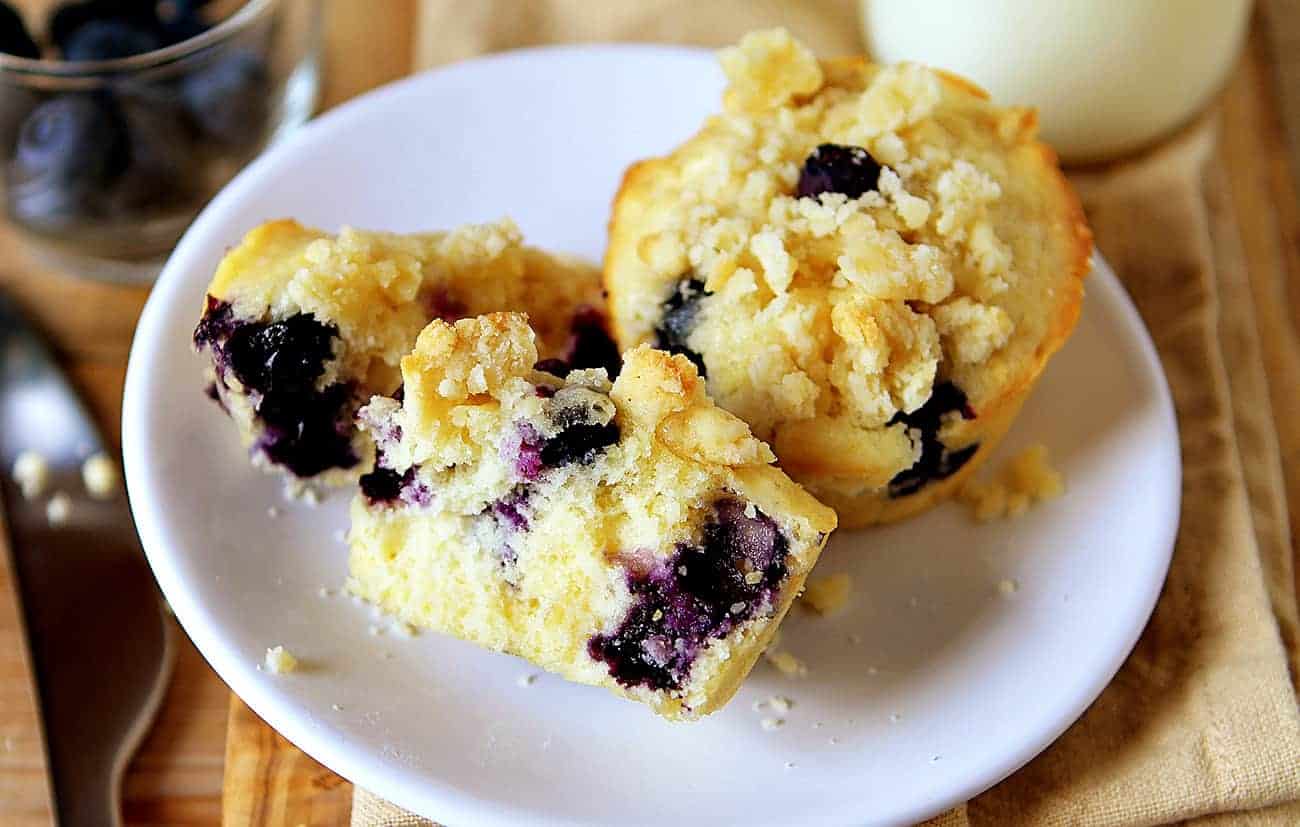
(1201, 723)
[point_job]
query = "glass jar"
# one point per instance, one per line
(105, 163)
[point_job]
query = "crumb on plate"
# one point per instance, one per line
(827, 595)
(279, 661)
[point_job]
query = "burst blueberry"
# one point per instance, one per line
(703, 591)
(848, 170)
(936, 461)
(678, 320)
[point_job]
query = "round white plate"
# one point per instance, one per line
(936, 682)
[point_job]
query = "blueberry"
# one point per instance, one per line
(14, 37)
(578, 443)
(702, 591)
(68, 150)
(282, 356)
(849, 170)
(678, 320)
(936, 461)
(229, 97)
(590, 345)
(159, 154)
(555, 367)
(69, 18)
(381, 486)
(110, 40)
(305, 429)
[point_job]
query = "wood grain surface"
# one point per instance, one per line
(176, 778)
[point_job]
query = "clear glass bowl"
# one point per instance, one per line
(105, 163)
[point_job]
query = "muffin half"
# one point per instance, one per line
(630, 536)
(302, 327)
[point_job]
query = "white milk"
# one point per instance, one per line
(1107, 76)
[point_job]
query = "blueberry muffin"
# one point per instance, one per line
(303, 327)
(871, 265)
(630, 536)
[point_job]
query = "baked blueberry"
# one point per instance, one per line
(303, 428)
(678, 320)
(591, 345)
(382, 486)
(936, 461)
(14, 37)
(69, 148)
(701, 592)
(848, 170)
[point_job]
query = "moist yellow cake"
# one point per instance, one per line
(870, 264)
(302, 327)
(630, 536)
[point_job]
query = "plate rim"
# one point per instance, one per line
(453, 803)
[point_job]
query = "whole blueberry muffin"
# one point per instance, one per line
(871, 265)
(631, 536)
(302, 327)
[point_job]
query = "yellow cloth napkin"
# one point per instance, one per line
(1201, 723)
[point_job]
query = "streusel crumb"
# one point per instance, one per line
(1026, 479)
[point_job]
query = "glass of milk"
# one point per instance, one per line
(1107, 76)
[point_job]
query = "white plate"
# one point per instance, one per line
(933, 686)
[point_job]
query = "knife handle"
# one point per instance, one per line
(26, 797)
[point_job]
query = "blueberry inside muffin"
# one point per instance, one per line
(628, 535)
(870, 264)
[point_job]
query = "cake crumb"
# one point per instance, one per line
(526, 680)
(855, 638)
(1024, 480)
(770, 724)
(827, 595)
(99, 474)
(789, 765)
(1008, 587)
(404, 630)
(325, 591)
(279, 661)
(374, 630)
(273, 512)
(59, 508)
(780, 704)
(786, 663)
(336, 707)
(32, 474)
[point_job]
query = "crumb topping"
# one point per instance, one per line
(1025, 479)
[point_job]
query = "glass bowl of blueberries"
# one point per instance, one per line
(120, 119)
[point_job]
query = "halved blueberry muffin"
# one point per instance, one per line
(302, 327)
(870, 264)
(630, 536)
